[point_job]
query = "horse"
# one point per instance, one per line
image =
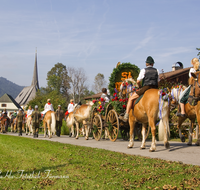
(50, 122)
(147, 111)
(192, 112)
(29, 128)
(5, 121)
(82, 114)
(175, 92)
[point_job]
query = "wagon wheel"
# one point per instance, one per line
(138, 131)
(97, 126)
(108, 108)
(125, 133)
(113, 125)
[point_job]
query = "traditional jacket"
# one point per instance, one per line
(36, 115)
(150, 77)
(59, 115)
(20, 117)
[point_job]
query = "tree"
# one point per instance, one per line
(77, 81)
(99, 82)
(58, 79)
(42, 96)
(198, 49)
(81, 80)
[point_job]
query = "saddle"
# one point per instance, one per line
(137, 100)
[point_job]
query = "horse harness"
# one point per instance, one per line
(192, 99)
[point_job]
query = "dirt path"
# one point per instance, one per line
(178, 151)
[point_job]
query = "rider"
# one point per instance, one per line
(150, 78)
(29, 111)
(70, 107)
(186, 92)
(104, 94)
(48, 107)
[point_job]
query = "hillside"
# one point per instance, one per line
(9, 87)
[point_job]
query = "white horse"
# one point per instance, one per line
(50, 122)
(29, 128)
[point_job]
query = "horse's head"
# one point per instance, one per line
(90, 103)
(194, 81)
(127, 86)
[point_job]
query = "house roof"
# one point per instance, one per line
(175, 74)
(9, 99)
(98, 95)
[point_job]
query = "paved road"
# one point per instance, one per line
(178, 151)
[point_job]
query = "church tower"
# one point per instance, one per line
(28, 93)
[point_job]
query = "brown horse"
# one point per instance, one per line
(192, 112)
(5, 121)
(50, 122)
(147, 111)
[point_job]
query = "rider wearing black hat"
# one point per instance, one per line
(149, 77)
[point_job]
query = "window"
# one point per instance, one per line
(3, 105)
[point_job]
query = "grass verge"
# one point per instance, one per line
(35, 164)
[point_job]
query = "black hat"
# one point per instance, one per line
(150, 60)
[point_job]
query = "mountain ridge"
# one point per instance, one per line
(9, 87)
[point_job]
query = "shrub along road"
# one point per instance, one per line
(178, 151)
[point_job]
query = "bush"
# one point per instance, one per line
(64, 129)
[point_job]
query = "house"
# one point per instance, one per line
(7, 102)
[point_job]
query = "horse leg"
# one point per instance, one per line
(44, 125)
(49, 129)
(180, 121)
(144, 126)
(198, 120)
(85, 126)
(153, 131)
(132, 123)
(190, 133)
(77, 129)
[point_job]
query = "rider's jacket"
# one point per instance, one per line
(36, 115)
(150, 77)
(59, 115)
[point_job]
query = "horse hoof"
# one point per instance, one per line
(189, 144)
(129, 147)
(151, 150)
(142, 148)
(86, 139)
(167, 145)
(197, 144)
(76, 138)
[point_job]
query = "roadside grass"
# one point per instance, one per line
(35, 164)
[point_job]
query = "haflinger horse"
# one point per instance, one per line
(81, 114)
(29, 128)
(5, 121)
(151, 107)
(50, 122)
(189, 110)
(192, 112)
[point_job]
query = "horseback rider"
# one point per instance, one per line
(104, 94)
(185, 94)
(48, 107)
(150, 78)
(29, 111)
(70, 107)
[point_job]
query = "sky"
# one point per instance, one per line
(95, 35)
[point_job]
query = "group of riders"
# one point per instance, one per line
(148, 79)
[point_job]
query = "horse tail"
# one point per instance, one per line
(53, 123)
(163, 127)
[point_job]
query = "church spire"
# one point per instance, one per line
(35, 73)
